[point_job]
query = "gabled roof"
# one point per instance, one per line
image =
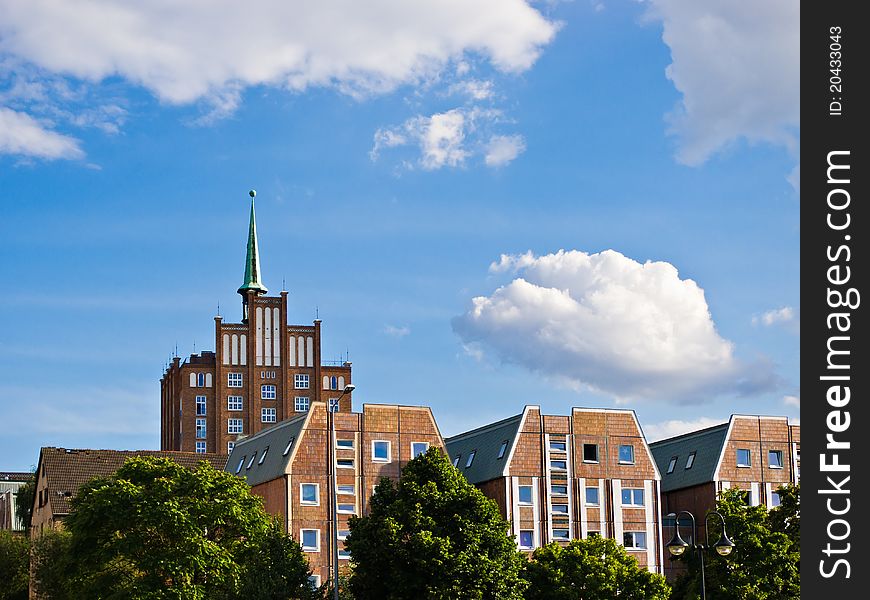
(707, 444)
(485, 442)
(276, 439)
(66, 469)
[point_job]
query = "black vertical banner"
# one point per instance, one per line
(835, 341)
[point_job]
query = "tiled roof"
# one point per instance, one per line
(66, 470)
(276, 439)
(485, 442)
(706, 444)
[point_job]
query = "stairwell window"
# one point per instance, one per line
(268, 415)
(200, 405)
(267, 392)
(200, 428)
(234, 425)
(234, 403)
(300, 381)
(301, 403)
(234, 380)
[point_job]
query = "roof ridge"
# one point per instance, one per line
(689, 434)
(273, 428)
(482, 428)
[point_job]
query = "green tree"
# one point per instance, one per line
(765, 563)
(592, 569)
(24, 502)
(433, 536)
(52, 566)
(155, 530)
(14, 565)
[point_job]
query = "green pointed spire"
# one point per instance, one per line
(253, 279)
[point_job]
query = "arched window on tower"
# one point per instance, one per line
(333, 383)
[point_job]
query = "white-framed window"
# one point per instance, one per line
(234, 403)
(346, 489)
(346, 509)
(314, 581)
(230, 446)
(301, 403)
(200, 405)
(418, 448)
(333, 404)
(200, 447)
(309, 493)
(527, 538)
(632, 496)
(775, 500)
(301, 381)
(744, 457)
(267, 392)
(346, 444)
(559, 465)
(558, 446)
(524, 494)
(343, 554)
(234, 380)
(634, 540)
(470, 458)
(774, 459)
(672, 464)
(561, 535)
(309, 539)
(343, 533)
(626, 454)
(267, 374)
(559, 509)
(502, 449)
(268, 415)
(344, 463)
(558, 490)
(592, 498)
(590, 453)
(381, 451)
(235, 425)
(200, 428)
(690, 460)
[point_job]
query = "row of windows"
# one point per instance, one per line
(309, 540)
(333, 382)
(200, 380)
(590, 455)
(631, 497)
(309, 494)
(236, 403)
(774, 458)
(632, 540)
(382, 450)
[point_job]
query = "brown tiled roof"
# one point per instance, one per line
(66, 470)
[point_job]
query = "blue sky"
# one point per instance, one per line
(398, 154)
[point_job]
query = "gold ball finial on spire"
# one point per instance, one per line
(252, 193)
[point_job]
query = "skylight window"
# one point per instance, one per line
(503, 449)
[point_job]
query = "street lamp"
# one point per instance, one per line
(330, 417)
(678, 546)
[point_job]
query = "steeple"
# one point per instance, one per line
(253, 279)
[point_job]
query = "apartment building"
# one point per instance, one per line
(291, 467)
(261, 372)
(756, 454)
(556, 478)
(10, 483)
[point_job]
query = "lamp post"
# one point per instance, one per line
(330, 416)
(678, 546)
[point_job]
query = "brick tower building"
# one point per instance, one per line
(261, 372)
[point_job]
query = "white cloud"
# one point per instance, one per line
(608, 323)
(503, 149)
(792, 401)
(450, 138)
(473, 88)
(21, 134)
(669, 429)
(737, 67)
(785, 316)
(189, 51)
(398, 332)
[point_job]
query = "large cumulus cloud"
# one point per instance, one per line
(608, 323)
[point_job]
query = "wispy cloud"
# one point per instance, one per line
(398, 332)
(22, 135)
(785, 316)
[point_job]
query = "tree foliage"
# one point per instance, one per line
(765, 563)
(14, 560)
(155, 530)
(52, 566)
(592, 569)
(24, 502)
(433, 536)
